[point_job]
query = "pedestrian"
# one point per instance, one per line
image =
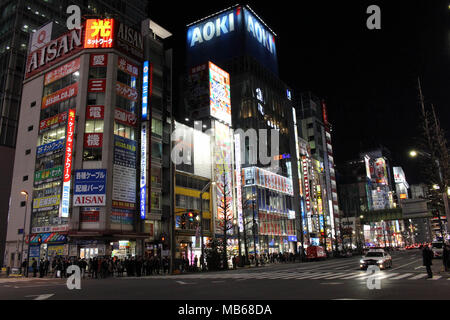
(446, 256)
(25, 268)
(41, 268)
(427, 256)
(196, 262)
(234, 262)
(46, 267)
(34, 267)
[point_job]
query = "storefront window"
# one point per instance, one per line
(51, 135)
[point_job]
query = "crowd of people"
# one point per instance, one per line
(100, 267)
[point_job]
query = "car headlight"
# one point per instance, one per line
(380, 261)
(361, 261)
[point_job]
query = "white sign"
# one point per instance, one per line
(124, 184)
(41, 37)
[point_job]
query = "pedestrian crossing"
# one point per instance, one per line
(292, 275)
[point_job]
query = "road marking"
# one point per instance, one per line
(220, 281)
(388, 275)
(404, 265)
(419, 267)
(305, 276)
(418, 276)
(331, 283)
(358, 275)
(41, 296)
(323, 275)
(402, 276)
(183, 283)
(435, 278)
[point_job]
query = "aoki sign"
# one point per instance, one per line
(214, 28)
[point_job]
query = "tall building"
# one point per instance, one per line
(20, 20)
(318, 169)
(94, 112)
(240, 44)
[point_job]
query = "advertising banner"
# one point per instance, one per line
(43, 175)
(46, 202)
(223, 176)
(95, 112)
(124, 152)
(128, 67)
(88, 214)
(89, 188)
(121, 216)
(51, 229)
(126, 92)
(130, 41)
(99, 33)
(62, 71)
(124, 184)
(49, 237)
(220, 96)
(143, 180)
(67, 174)
(380, 171)
(52, 122)
(49, 147)
(60, 96)
(125, 117)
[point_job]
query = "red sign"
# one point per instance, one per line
(93, 140)
(99, 60)
(62, 71)
(99, 33)
(126, 92)
(90, 216)
(125, 117)
(95, 112)
(69, 146)
(97, 85)
(47, 123)
(127, 67)
(60, 96)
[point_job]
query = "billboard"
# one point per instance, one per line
(147, 87)
(49, 148)
(124, 172)
(380, 171)
(219, 93)
(89, 188)
(61, 72)
(60, 96)
(231, 33)
(99, 33)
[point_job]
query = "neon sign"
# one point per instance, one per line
(99, 33)
(67, 175)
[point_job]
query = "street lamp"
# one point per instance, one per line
(23, 192)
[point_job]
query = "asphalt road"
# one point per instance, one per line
(334, 279)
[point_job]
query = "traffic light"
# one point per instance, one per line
(40, 240)
(191, 216)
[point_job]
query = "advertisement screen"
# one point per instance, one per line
(220, 96)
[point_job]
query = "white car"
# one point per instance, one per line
(376, 257)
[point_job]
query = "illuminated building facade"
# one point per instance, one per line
(19, 20)
(80, 143)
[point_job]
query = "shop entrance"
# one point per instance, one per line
(88, 253)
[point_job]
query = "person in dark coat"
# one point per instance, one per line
(41, 268)
(427, 256)
(446, 257)
(34, 267)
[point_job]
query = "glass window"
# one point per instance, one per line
(94, 126)
(124, 131)
(96, 99)
(97, 73)
(92, 154)
(156, 149)
(157, 128)
(156, 176)
(156, 200)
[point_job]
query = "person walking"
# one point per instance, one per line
(446, 256)
(34, 267)
(427, 256)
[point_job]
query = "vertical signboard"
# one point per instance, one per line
(89, 188)
(65, 203)
(220, 96)
(237, 152)
(143, 185)
(147, 83)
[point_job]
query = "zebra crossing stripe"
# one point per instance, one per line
(418, 276)
(357, 275)
(435, 278)
(402, 276)
(388, 275)
(323, 275)
(308, 275)
(336, 275)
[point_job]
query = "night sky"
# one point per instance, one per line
(367, 77)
